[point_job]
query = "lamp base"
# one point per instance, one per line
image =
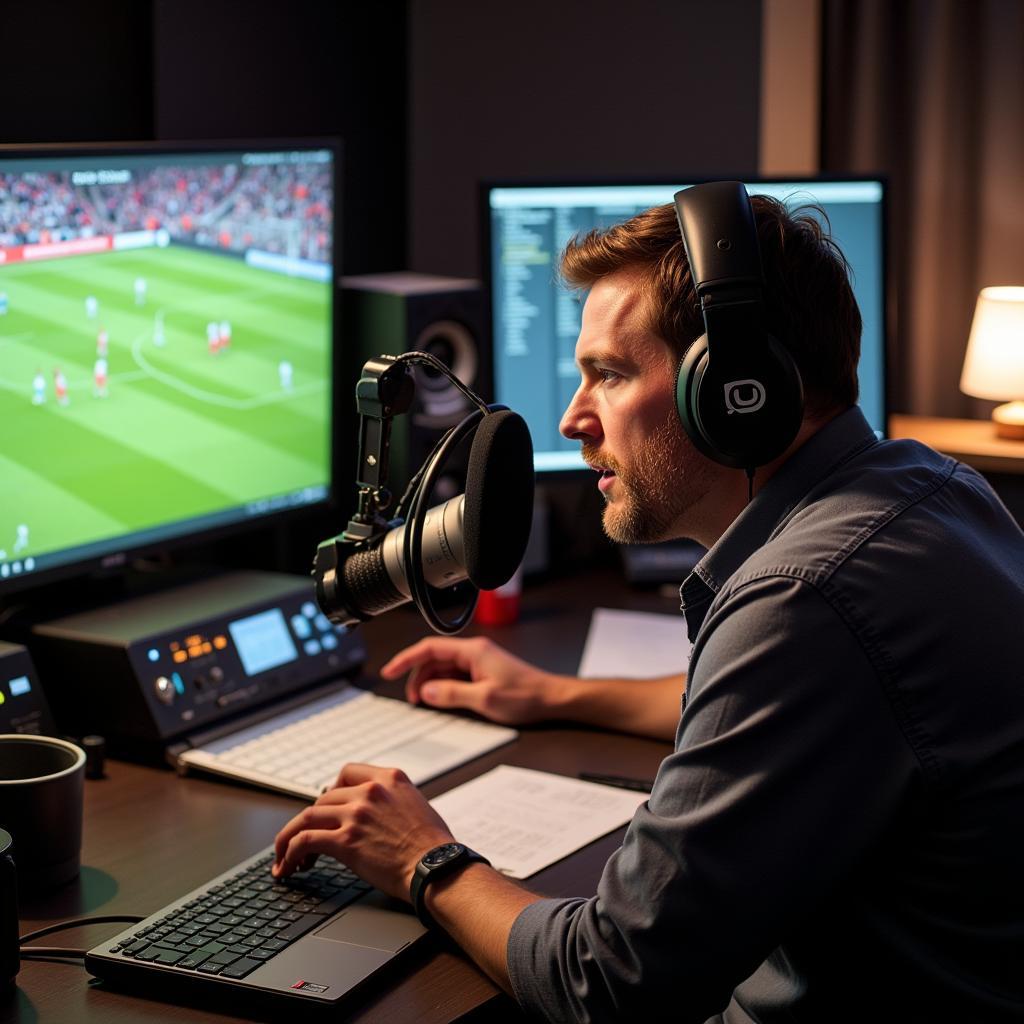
(1009, 420)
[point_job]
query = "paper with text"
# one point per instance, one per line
(634, 645)
(522, 820)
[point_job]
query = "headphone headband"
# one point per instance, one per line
(738, 391)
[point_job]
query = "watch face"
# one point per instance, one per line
(442, 854)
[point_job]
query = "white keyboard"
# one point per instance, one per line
(302, 751)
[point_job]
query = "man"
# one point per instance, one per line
(838, 833)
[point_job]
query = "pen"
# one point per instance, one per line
(619, 781)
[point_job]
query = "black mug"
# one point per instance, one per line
(10, 960)
(41, 788)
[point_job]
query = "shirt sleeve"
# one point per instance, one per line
(789, 767)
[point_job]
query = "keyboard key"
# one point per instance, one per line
(224, 957)
(240, 968)
(169, 956)
(210, 968)
(300, 927)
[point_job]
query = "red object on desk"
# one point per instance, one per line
(500, 607)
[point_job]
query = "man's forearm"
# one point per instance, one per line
(647, 707)
(477, 907)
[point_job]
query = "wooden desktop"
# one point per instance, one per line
(970, 441)
(150, 836)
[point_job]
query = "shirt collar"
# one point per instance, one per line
(839, 440)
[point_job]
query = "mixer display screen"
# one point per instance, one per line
(263, 641)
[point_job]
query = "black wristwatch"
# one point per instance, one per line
(436, 863)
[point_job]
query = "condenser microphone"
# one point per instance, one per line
(480, 535)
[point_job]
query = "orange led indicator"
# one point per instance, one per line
(220, 642)
(207, 647)
(180, 656)
(195, 652)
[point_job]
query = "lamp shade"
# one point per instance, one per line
(994, 365)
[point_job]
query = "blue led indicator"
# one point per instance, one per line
(179, 685)
(19, 686)
(153, 654)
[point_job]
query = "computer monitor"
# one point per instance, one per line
(536, 320)
(166, 333)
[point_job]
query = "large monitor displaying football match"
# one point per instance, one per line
(536, 320)
(166, 326)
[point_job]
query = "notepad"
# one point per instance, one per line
(634, 645)
(523, 820)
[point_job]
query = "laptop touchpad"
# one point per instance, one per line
(369, 926)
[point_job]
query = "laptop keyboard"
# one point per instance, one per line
(233, 927)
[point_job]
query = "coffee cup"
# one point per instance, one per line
(41, 782)
(10, 957)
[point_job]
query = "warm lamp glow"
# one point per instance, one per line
(994, 365)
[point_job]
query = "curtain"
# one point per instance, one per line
(930, 94)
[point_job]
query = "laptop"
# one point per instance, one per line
(311, 938)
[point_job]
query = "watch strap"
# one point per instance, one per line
(426, 873)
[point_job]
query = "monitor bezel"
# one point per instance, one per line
(486, 185)
(120, 559)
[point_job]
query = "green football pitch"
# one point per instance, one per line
(181, 431)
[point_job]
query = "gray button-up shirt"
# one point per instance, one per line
(839, 834)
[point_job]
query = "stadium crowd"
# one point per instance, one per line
(278, 208)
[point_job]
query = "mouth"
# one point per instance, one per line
(606, 476)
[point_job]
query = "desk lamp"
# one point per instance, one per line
(994, 364)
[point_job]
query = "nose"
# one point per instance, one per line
(580, 421)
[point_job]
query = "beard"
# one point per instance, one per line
(663, 478)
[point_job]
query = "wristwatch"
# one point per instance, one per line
(434, 864)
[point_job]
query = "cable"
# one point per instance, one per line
(48, 952)
(79, 922)
(426, 359)
(402, 508)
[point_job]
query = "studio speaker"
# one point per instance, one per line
(399, 312)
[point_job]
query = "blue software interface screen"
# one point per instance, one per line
(536, 320)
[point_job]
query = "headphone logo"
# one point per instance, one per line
(738, 401)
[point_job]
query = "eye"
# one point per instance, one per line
(608, 376)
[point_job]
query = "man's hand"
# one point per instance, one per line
(476, 674)
(375, 821)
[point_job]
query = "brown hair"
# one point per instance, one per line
(810, 305)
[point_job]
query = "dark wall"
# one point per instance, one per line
(311, 67)
(585, 90)
(181, 69)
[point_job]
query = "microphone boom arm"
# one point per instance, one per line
(384, 390)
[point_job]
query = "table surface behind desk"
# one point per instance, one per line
(150, 836)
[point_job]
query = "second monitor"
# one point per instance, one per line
(536, 320)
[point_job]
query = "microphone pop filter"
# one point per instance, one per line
(498, 511)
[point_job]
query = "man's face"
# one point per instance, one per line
(624, 415)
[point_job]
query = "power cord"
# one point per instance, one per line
(52, 953)
(63, 952)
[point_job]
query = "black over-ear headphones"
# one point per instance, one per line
(738, 391)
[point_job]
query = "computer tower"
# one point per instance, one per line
(398, 312)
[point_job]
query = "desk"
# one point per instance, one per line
(150, 836)
(970, 441)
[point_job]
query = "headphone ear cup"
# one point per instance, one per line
(688, 377)
(740, 414)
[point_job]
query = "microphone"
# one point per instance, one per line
(480, 535)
